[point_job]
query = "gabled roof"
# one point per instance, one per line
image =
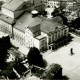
(35, 24)
(48, 26)
(35, 28)
(51, 71)
(13, 4)
(45, 25)
(26, 20)
(23, 22)
(57, 19)
(6, 18)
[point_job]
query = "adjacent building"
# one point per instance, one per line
(57, 3)
(53, 3)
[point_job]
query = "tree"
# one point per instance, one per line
(65, 20)
(4, 45)
(34, 57)
(42, 12)
(56, 12)
(77, 23)
(62, 6)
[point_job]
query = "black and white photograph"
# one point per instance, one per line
(39, 39)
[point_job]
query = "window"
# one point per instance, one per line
(50, 39)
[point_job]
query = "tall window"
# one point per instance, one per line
(58, 34)
(50, 39)
(55, 36)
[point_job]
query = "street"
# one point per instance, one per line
(70, 63)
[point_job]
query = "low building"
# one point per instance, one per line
(53, 31)
(53, 72)
(57, 3)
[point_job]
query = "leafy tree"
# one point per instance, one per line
(56, 12)
(42, 12)
(62, 6)
(4, 45)
(77, 23)
(34, 57)
(65, 20)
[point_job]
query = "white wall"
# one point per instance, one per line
(5, 27)
(36, 43)
(19, 36)
(28, 38)
(53, 4)
(8, 12)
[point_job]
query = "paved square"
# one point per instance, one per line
(70, 63)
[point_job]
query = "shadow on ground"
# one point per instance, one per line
(44, 63)
(64, 78)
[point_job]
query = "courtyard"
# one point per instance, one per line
(70, 63)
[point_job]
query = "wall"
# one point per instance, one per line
(19, 36)
(47, 37)
(36, 43)
(8, 12)
(17, 14)
(28, 38)
(43, 44)
(6, 28)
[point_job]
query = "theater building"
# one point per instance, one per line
(32, 31)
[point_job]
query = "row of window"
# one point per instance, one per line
(5, 30)
(54, 37)
(19, 37)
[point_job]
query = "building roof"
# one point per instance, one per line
(35, 28)
(35, 24)
(57, 19)
(48, 26)
(45, 25)
(26, 20)
(40, 37)
(13, 4)
(20, 68)
(6, 18)
(72, 7)
(51, 71)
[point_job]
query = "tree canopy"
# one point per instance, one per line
(76, 23)
(4, 45)
(34, 57)
(56, 12)
(42, 12)
(62, 6)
